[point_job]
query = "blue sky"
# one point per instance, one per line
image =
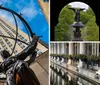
(32, 13)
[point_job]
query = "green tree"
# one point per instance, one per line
(64, 21)
(63, 31)
(91, 32)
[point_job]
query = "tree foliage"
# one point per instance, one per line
(63, 31)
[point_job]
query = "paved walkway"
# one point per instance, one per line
(86, 72)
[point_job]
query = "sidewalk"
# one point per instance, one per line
(86, 72)
(82, 71)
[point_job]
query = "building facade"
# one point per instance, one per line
(44, 4)
(72, 48)
(8, 29)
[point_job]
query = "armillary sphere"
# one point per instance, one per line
(26, 26)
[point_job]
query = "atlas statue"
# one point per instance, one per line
(16, 69)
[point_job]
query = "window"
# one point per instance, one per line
(25, 40)
(22, 46)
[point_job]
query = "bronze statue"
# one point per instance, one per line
(77, 13)
(16, 69)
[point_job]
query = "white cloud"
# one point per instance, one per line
(44, 29)
(8, 16)
(7, 2)
(30, 10)
(27, 8)
(40, 12)
(3, 1)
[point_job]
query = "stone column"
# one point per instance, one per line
(92, 49)
(51, 50)
(70, 48)
(78, 48)
(82, 51)
(82, 48)
(54, 48)
(58, 48)
(62, 48)
(97, 49)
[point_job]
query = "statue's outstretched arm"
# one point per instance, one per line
(81, 9)
(72, 9)
(27, 51)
